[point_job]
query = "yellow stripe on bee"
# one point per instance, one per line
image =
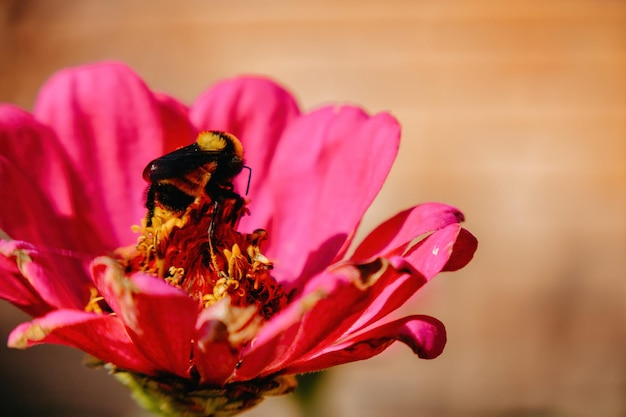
(214, 141)
(210, 141)
(193, 182)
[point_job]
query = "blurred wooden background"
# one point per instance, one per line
(513, 111)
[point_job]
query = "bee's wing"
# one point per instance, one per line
(178, 163)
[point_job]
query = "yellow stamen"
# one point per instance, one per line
(176, 276)
(94, 298)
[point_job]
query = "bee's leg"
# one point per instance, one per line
(150, 204)
(239, 203)
(219, 193)
(214, 213)
(227, 192)
(211, 231)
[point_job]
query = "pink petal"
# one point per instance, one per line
(425, 335)
(54, 278)
(214, 357)
(101, 336)
(404, 227)
(463, 251)
(159, 318)
(33, 149)
(178, 129)
(329, 167)
(26, 205)
(431, 255)
(111, 126)
(38, 183)
(254, 109)
(330, 304)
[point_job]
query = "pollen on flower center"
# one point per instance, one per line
(200, 251)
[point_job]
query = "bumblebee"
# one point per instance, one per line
(206, 166)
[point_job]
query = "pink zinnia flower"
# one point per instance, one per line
(223, 313)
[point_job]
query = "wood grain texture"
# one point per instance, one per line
(513, 111)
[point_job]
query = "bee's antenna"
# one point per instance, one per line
(249, 178)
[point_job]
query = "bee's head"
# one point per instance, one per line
(230, 152)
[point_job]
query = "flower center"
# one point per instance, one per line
(201, 252)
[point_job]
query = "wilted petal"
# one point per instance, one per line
(16, 289)
(58, 281)
(322, 186)
(101, 336)
(405, 226)
(159, 318)
(111, 126)
(392, 297)
(425, 335)
(256, 110)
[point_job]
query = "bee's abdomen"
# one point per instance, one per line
(171, 197)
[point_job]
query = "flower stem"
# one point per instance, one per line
(308, 394)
